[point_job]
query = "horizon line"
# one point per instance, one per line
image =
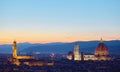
(45, 42)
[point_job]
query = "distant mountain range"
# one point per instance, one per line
(60, 47)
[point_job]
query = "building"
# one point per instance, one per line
(76, 52)
(31, 62)
(101, 51)
(89, 57)
(14, 55)
(15, 58)
(70, 55)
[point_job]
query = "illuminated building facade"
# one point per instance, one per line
(38, 63)
(70, 55)
(15, 58)
(14, 49)
(101, 51)
(90, 57)
(76, 52)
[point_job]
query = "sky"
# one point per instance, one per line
(41, 21)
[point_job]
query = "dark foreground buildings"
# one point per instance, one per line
(62, 65)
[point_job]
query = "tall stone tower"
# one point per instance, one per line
(76, 52)
(14, 49)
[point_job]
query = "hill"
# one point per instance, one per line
(59, 47)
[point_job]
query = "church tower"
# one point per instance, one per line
(76, 52)
(14, 49)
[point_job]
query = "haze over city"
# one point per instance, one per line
(41, 21)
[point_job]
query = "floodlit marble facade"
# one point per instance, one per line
(76, 52)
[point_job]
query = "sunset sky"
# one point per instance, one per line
(41, 21)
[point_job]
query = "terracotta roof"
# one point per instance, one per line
(101, 47)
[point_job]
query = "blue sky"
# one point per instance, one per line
(44, 19)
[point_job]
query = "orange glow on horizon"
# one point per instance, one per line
(52, 39)
(8, 38)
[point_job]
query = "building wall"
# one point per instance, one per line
(76, 52)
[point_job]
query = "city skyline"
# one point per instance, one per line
(59, 21)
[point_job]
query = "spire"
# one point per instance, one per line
(14, 41)
(101, 41)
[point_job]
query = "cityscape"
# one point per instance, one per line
(73, 61)
(59, 36)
